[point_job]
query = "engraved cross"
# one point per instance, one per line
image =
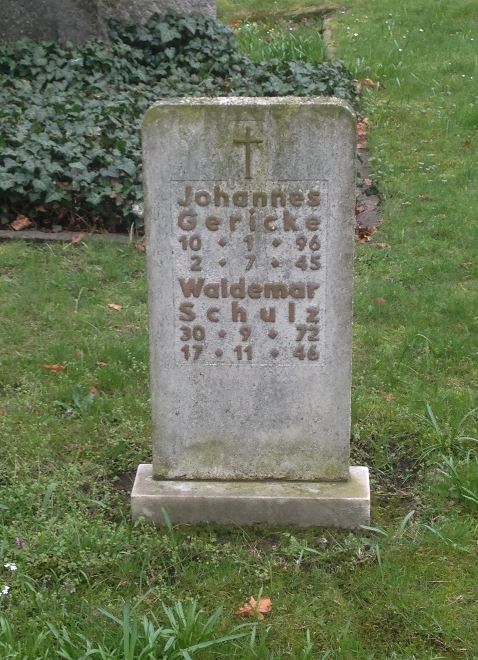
(247, 140)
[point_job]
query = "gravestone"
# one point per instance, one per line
(250, 223)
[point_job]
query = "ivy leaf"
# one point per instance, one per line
(166, 33)
(77, 165)
(127, 166)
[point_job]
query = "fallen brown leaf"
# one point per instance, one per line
(140, 246)
(367, 183)
(424, 198)
(362, 134)
(256, 608)
(76, 240)
(78, 354)
(359, 208)
(116, 307)
(21, 222)
(364, 234)
(94, 391)
(100, 363)
(54, 367)
(467, 144)
(379, 301)
(382, 246)
(368, 82)
(389, 397)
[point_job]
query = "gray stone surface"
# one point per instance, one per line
(343, 504)
(139, 11)
(51, 20)
(79, 20)
(250, 252)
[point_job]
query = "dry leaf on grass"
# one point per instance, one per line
(362, 134)
(364, 234)
(100, 363)
(140, 246)
(366, 82)
(54, 367)
(379, 301)
(389, 397)
(467, 144)
(76, 240)
(382, 246)
(21, 222)
(94, 391)
(256, 608)
(116, 307)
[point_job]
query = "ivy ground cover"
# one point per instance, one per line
(70, 118)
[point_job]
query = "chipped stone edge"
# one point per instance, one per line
(345, 505)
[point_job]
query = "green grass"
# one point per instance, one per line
(406, 587)
(233, 10)
(285, 41)
(268, 31)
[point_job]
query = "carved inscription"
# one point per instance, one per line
(249, 271)
(247, 141)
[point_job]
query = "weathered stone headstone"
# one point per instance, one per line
(250, 210)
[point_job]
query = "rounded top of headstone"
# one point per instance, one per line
(327, 105)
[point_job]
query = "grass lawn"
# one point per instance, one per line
(232, 10)
(71, 438)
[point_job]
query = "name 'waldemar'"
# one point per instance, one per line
(195, 286)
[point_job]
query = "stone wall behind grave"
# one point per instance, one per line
(51, 20)
(79, 20)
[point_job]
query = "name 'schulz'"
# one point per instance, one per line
(187, 218)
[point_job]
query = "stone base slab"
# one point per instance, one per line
(303, 504)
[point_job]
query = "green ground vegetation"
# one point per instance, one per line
(70, 153)
(285, 40)
(274, 10)
(90, 583)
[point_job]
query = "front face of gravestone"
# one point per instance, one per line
(249, 207)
